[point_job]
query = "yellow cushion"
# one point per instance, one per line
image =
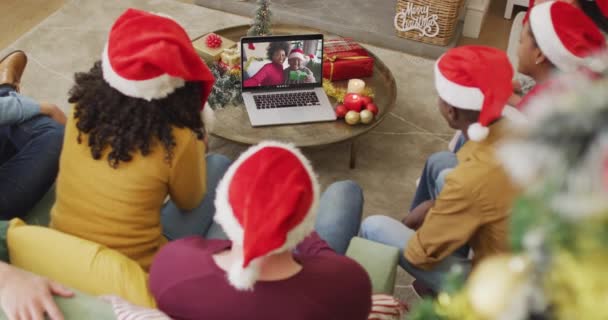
(77, 263)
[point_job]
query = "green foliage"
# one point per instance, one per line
(262, 23)
(227, 88)
(424, 310)
(454, 281)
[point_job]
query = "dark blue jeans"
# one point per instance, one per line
(338, 218)
(29, 161)
(433, 175)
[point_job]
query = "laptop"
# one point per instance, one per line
(282, 80)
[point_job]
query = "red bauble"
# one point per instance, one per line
(372, 107)
(366, 100)
(213, 41)
(353, 101)
(341, 111)
(251, 46)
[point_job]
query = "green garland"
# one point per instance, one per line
(227, 88)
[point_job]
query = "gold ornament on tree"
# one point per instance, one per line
(496, 284)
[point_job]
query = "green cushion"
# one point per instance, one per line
(3, 246)
(41, 213)
(379, 260)
(82, 306)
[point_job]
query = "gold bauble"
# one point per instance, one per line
(352, 117)
(494, 282)
(366, 116)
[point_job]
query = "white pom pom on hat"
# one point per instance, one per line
(477, 132)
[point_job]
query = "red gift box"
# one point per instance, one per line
(334, 46)
(347, 65)
(345, 59)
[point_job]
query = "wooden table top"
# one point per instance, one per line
(232, 122)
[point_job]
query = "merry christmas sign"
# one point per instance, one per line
(417, 18)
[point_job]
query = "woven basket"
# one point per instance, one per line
(437, 27)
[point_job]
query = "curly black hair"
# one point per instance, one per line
(276, 46)
(127, 125)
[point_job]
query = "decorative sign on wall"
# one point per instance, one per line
(418, 18)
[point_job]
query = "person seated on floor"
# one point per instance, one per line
(597, 10)
(271, 74)
(283, 261)
(471, 204)
(557, 36)
(135, 137)
(31, 135)
(24, 295)
(297, 72)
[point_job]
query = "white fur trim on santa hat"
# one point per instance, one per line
(208, 117)
(225, 216)
(459, 96)
(155, 88)
(244, 278)
(299, 55)
(549, 42)
(477, 132)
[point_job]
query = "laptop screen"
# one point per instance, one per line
(282, 62)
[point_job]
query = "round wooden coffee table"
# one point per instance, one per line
(232, 122)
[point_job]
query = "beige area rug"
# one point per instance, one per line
(390, 157)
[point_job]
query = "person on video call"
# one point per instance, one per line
(297, 72)
(272, 73)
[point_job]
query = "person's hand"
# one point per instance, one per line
(516, 86)
(25, 296)
(52, 111)
(514, 100)
(415, 218)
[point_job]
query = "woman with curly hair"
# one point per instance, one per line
(271, 74)
(134, 138)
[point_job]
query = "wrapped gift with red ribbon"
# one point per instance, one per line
(345, 59)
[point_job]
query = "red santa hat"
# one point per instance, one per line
(475, 78)
(266, 203)
(298, 53)
(149, 56)
(565, 35)
(603, 6)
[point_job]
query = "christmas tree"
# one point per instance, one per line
(261, 25)
(559, 225)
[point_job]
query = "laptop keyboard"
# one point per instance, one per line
(286, 100)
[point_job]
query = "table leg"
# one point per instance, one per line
(353, 153)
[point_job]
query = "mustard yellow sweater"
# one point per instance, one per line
(120, 208)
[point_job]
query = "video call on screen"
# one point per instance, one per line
(282, 63)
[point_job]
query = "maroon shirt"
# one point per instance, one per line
(188, 285)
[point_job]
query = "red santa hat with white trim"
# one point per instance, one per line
(565, 34)
(298, 53)
(475, 78)
(149, 56)
(266, 203)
